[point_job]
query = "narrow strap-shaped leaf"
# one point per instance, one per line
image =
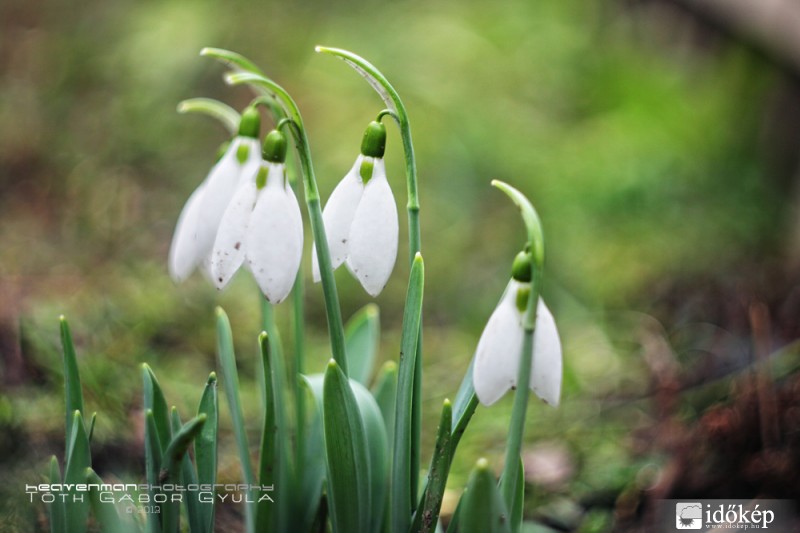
(385, 391)
(175, 452)
(187, 477)
(230, 377)
(105, 512)
(56, 508)
(265, 512)
(427, 514)
(401, 499)
(463, 408)
(76, 512)
(483, 510)
(227, 115)
(91, 426)
(237, 61)
(171, 465)
(205, 450)
(347, 456)
(72, 380)
(284, 486)
(152, 461)
(312, 475)
(154, 400)
(362, 333)
(378, 451)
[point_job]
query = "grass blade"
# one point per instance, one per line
(401, 496)
(362, 333)
(347, 458)
(230, 377)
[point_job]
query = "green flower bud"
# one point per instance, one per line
(250, 125)
(374, 142)
(522, 268)
(275, 147)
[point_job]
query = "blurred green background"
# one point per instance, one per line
(660, 151)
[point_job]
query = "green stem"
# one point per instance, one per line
(334, 313)
(398, 112)
(521, 395)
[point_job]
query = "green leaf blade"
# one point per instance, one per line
(230, 378)
(402, 497)
(362, 334)
(72, 380)
(347, 457)
(483, 510)
(427, 514)
(205, 449)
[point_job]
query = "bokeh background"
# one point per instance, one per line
(658, 140)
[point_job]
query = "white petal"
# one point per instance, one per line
(498, 352)
(338, 217)
(274, 242)
(228, 252)
(374, 233)
(184, 255)
(546, 366)
(220, 187)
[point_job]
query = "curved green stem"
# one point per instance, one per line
(227, 115)
(335, 326)
(517, 427)
(397, 111)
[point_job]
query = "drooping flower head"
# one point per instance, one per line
(360, 217)
(262, 227)
(200, 218)
(498, 353)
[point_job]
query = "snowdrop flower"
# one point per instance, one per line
(500, 345)
(361, 217)
(262, 227)
(198, 222)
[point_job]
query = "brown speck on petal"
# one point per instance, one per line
(237, 245)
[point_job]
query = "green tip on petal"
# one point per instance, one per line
(374, 142)
(365, 171)
(275, 147)
(250, 125)
(522, 268)
(523, 295)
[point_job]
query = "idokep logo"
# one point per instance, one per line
(689, 515)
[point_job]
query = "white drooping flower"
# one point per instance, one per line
(360, 218)
(199, 221)
(500, 347)
(262, 227)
